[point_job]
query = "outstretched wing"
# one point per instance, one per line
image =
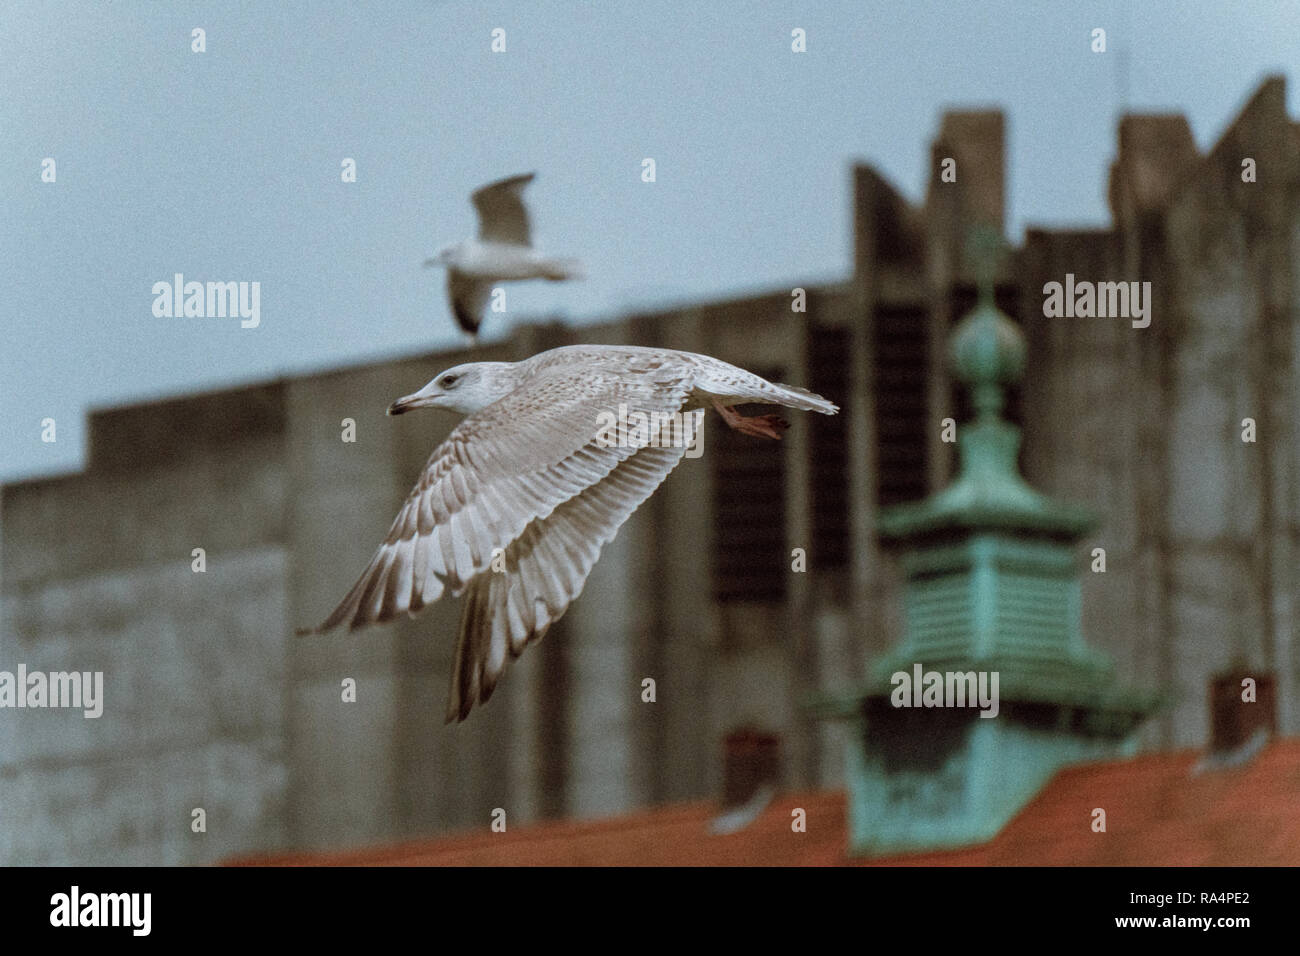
(468, 298)
(502, 468)
(546, 567)
(502, 216)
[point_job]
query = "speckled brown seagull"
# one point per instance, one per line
(535, 479)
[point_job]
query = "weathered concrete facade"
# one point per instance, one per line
(212, 703)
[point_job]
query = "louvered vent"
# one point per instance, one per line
(749, 560)
(829, 355)
(939, 615)
(1033, 614)
(901, 374)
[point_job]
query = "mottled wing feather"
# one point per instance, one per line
(545, 570)
(500, 469)
(502, 216)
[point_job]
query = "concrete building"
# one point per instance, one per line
(211, 703)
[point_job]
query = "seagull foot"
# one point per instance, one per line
(761, 426)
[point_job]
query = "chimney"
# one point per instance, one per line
(752, 758)
(1242, 704)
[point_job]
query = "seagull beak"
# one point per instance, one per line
(422, 399)
(432, 262)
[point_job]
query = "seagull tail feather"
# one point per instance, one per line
(795, 397)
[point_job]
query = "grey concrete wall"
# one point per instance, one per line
(1233, 515)
(1081, 441)
(98, 578)
(1145, 425)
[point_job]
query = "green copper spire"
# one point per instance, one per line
(987, 354)
(991, 590)
(987, 351)
(989, 561)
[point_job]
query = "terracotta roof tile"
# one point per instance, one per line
(1158, 813)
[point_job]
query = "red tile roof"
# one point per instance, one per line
(1158, 813)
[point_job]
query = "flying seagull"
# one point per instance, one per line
(513, 508)
(503, 251)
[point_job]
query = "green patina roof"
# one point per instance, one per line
(988, 494)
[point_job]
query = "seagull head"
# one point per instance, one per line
(462, 388)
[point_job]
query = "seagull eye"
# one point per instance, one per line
(449, 380)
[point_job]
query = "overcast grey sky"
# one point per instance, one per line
(225, 165)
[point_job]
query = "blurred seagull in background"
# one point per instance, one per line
(502, 252)
(513, 508)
